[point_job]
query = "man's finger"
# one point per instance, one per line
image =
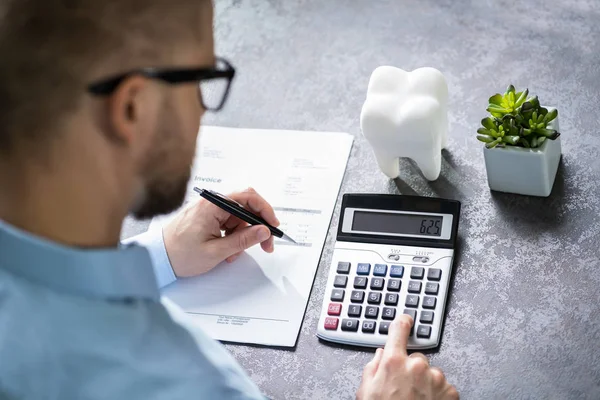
(421, 356)
(371, 367)
(234, 257)
(398, 335)
(255, 203)
(268, 245)
(238, 241)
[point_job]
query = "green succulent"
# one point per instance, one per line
(509, 103)
(516, 120)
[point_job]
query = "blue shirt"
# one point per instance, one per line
(90, 324)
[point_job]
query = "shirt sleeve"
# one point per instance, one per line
(154, 242)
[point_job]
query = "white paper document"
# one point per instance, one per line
(261, 298)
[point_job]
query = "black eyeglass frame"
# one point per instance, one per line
(171, 76)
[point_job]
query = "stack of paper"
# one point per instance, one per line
(261, 298)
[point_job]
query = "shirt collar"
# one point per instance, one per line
(111, 273)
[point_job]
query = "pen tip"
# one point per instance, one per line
(289, 239)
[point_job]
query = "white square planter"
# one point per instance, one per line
(524, 171)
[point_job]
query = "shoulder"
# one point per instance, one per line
(83, 348)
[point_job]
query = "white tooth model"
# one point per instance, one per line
(405, 114)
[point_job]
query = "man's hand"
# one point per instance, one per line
(392, 374)
(194, 241)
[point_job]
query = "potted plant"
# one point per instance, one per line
(522, 144)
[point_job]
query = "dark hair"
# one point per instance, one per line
(50, 50)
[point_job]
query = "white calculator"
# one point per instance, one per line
(393, 254)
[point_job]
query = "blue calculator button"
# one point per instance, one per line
(363, 269)
(380, 269)
(397, 271)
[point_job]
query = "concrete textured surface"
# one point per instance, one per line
(522, 319)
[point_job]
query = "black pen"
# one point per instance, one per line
(236, 209)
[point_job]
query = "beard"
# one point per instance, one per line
(162, 197)
(168, 168)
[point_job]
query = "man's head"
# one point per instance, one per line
(139, 138)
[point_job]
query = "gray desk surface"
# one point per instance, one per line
(523, 319)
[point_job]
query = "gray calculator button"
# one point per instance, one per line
(340, 281)
(394, 285)
(388, 313)
(412, 301)
(343, 268)
(391, 299)
(429, 302)
(360, 282)
(384, 327)
(369, 326)
(350, 325)
(417, 272)
(371, 312)
(413, 315)
(431, 288)
(424, 331)
(374, 298)
(426, 317)
(354, 310)
(377, 283)
(414, 287)
(358, 296)
(434, 274)
(337, 295)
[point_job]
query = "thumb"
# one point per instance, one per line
(240, 240)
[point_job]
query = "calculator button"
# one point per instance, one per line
(396, 271)
(394, 285)
(337, 295)
(414, 287)
(331, 324)
(372, 312)
(412, 301)
(412, 313)
(363, 269)
(377, 283)
(374, 298)
(350, 325)
(384, 327)
(334, 309)
(434, 274)
(417, 272)
(357, 296)
(388, 313)
(429, 302)
(424, 331)
(431, 288)
(380, 269)
(426, 317)
(369, 326)
(340, 281)
(354, 310)
(391, 299)
(343, 268)
(360, 282)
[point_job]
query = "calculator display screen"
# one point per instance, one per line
(409, 224)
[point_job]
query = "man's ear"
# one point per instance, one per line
(129, 106)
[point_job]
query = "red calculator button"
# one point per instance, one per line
(331, 323)
(334, 309)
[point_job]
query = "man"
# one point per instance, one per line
(99, 113)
